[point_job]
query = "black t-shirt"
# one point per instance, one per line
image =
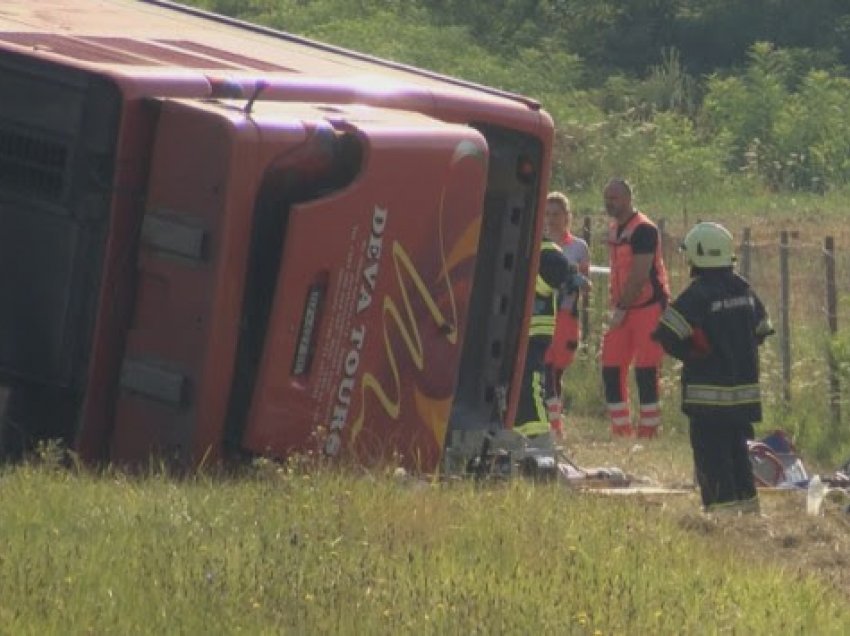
(644, 239)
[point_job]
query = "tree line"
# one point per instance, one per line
(683, 95)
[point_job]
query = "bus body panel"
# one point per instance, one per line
(177, 294)
(382, 271)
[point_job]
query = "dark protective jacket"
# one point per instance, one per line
(557, 276)
(715, 327)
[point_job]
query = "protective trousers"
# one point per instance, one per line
(532, 418)
(559, 356)
(564, 341)
(627, 343)
(722, 463)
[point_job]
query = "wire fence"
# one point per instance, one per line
(802, 280)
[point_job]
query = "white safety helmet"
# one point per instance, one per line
(709, 245)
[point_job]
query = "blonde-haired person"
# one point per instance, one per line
(561, 352)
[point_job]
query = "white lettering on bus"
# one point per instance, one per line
(373, 255)
(351, 364)
(344, 389)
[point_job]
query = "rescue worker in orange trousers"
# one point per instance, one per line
(560, 354)
(639, 292)
(556, 275)
(715, 327)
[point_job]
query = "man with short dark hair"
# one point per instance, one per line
(638, 294)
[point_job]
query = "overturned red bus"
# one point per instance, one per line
(218, 239)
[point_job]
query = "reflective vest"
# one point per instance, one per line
(545, 305)
(656, 288)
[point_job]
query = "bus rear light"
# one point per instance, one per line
(525, 170)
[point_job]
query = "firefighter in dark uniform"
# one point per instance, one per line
(715, 328)
(556, 276)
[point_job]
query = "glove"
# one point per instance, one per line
(583, 282)
(699, 346)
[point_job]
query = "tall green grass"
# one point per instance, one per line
(807, 417)
(289, 552)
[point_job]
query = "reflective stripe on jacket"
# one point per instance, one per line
(715, 395)
(715, 326)
(545, 301)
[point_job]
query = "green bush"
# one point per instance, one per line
(777, 121)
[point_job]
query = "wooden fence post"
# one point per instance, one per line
(666, 243)
(785, 309)
(584, 309)
(586, 229)
(832, 322)
(744, 263)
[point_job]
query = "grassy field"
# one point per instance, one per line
(808, 219)
(282, 550)
(286, 550)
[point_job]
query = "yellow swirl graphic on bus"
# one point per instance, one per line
(433, 411)
(406, 325)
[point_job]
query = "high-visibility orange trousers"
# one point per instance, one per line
(562, 351)
(626, 344)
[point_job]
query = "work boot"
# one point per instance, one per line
(736, 508)
(647, 432)
(750, 506)
(621, 430)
